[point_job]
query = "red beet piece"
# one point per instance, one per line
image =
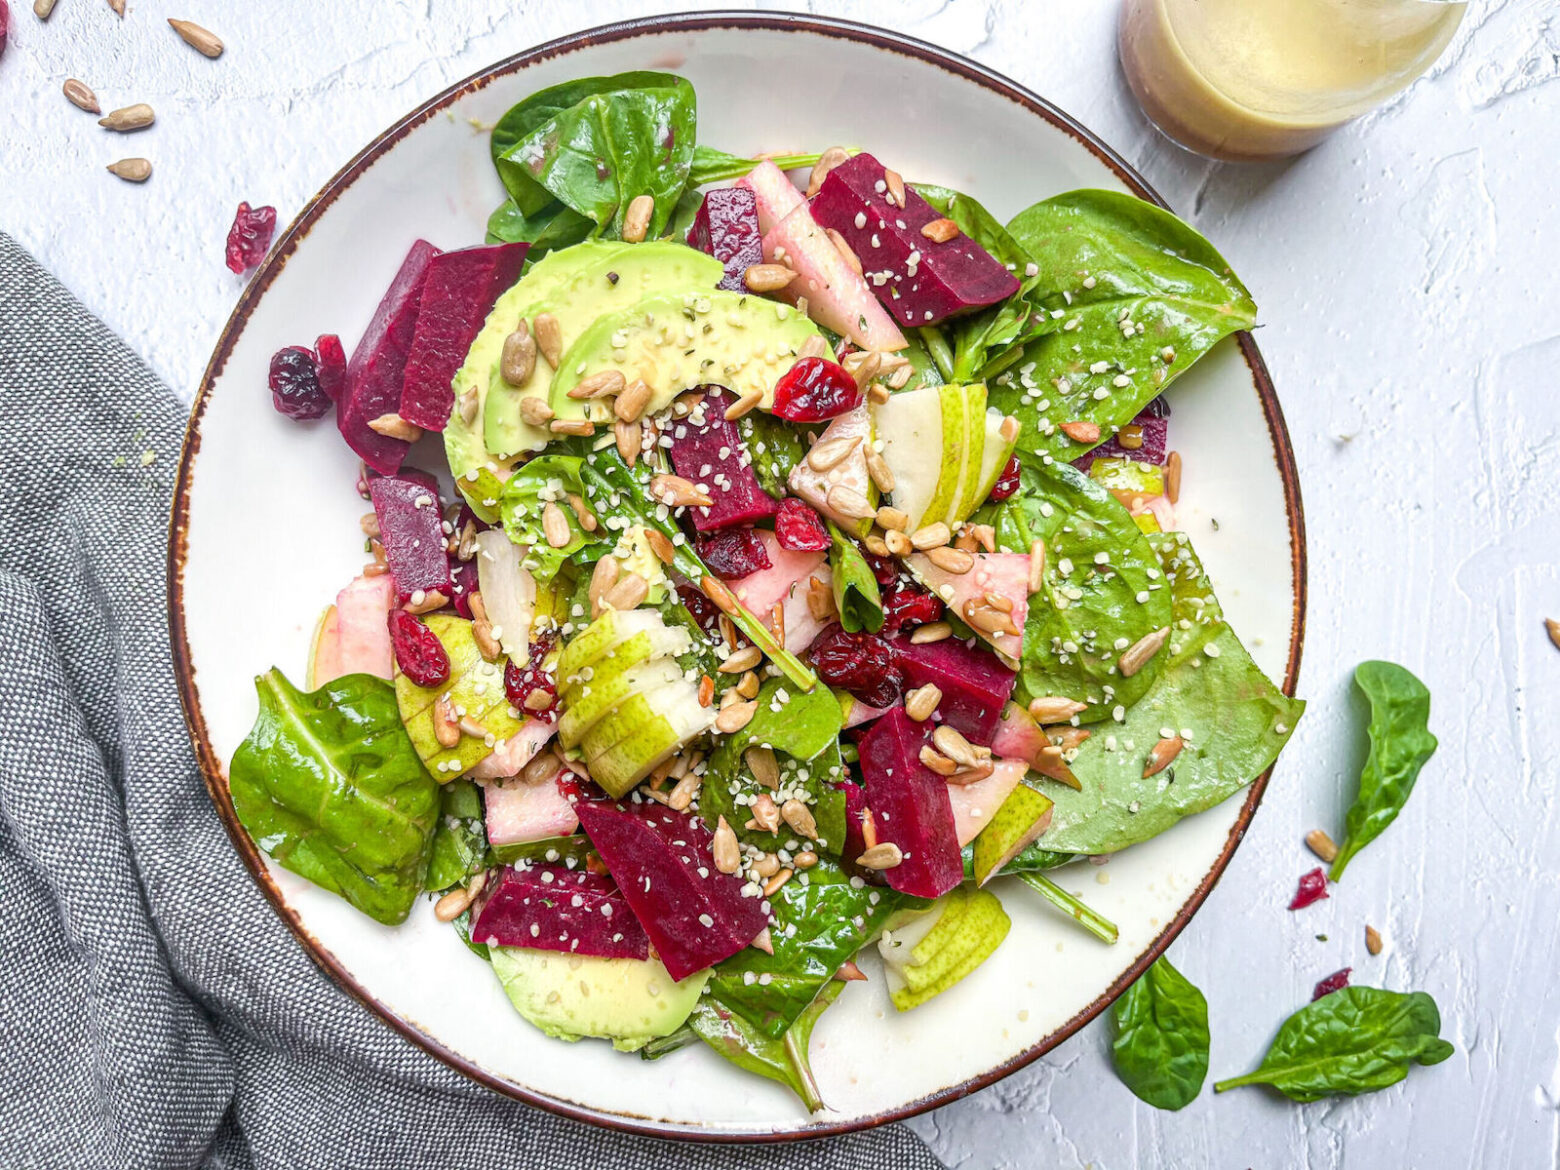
(464, 573)
(555, 908)
(373, 386)
(711, 452)
(1337, 981)
(411, 527)
(799, 529)
(733, 552)
(663, 862)
(249, 239)
(1154, 430)
(910, 806)
(974, 683)
(521, 682)
(918, 280)
(1007, 483)
(457, 295)
(726, 227)
(1313, 888)
(294, 379)
(418, 651)
(332, 364)
(815, 389)
(909, 607)
(860, 663)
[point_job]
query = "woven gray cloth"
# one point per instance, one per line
(154, 1011)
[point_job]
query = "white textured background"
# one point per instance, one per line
(1405, 272)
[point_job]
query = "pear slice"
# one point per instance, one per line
(933, 440)
(933, 952)
(654, 733)
(592, 701)
(1023, 817)
(658, 641)
(1001, 442)
(607, 631)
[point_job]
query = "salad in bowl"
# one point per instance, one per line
(766, 559)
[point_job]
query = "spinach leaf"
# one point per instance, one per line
(803, 731)
(460, 838)
(1159, 1040)
(1122, 281)
(329, 784)
(783, 1059)
(776, 447)
(714, 166)
(1102, 590)
(596, 143)
(616, 489)
(554, 226)
(818, 925)
(527, 493)
(1195, 612)
(856, 593)
(1400, 743)
(1356, 1040)
(1074, 907)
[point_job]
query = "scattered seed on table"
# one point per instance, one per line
(202, 40)
(132, 170)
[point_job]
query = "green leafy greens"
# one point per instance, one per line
(329, 784)
(1074, 907)
(1400, 743)
(545, 480)
(856, 593)
(783, 1059)
(1159, 1040)
(1356, 1040)
(460, 839)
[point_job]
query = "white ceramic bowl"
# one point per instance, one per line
(276, 497)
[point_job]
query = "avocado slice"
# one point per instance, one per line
(569, 997)
(676, 340)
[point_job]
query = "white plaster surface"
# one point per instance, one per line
(1405, 272)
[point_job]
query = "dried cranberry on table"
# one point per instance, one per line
(249, 239)
(733, 553)
(332, 361)
(294, 379)
(522, 682)
(909, 607)
(1007, 482)
(815, 389)
(5, 25)
(1337, 981)
(862, 664)
(1313, 888)
(418, 651)
(799, 529)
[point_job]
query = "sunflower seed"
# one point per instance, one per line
(80, 96)
(572, 426)
(842, 246)
(800, 818)
(427, 603)
(849, 503)
(921, 702)
(951, 560)
(677, 492)
(1037, 566)
(930, 632)
(1554, 631)
(636, 220)
(517, 361)
(1173, 477)
(885, 855)
(1136, 656)
(728, 857)
(832, 452)
(129, 118)
(761, 278)
(42, 8)
(892, 518)
(940, 231)
(132, 170)
(1081, 431)
(735, 717)
(446, 725)
(951, 743)
(930, 536)
(1050, 763)
(535, 412)
(631, 402)
(602, 578)
(1373, 940)
(882, 475)
(393, 426)
(896, 187)
(766, 812)
(762, 763)
(715, 589)
(1054, 709)
(936, 761)
(549, 337)
(202, 40)
(827, 161)
(743, 405)
(814, 346)
(1161, 754)
(555, 525)
(742, 660)
(452, 905)
(1319, 843)
(630, 440)
(469, 405)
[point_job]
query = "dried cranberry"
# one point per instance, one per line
(295, 384)
(249, 239)
(1337, 981)
(5, 25)
(521, 682)
(815, 389)
(733, 553)
(418, 651)
(799, 529)
(704, 611)
(909, 607)
(332, 362)
(885, 570)
(1313, 888)
(861, 664)
(1007, 482)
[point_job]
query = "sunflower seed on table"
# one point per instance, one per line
(202, 40)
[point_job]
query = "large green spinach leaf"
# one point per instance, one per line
(459, 840)
(596, 143)
(527, 493)
(1356, 1040)
(1102, 590)
(1159, 1041)
(554, 226)
(783, 1059)
(1135, 297)
(329, 784)
(1400, 743)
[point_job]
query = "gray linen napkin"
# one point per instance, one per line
(153, 1010)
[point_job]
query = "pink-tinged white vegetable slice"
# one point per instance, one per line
(760, 591)
(353, 637)
(1003, 574)
(518, 810)
(860, 713)
(837, 296)
(1018, 736)
(911, 806)
(975, 804)
(775, 194)
(814, 486)
(508, 592)
(555, 908)
(510, 755)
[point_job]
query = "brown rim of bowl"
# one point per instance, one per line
(212, 766)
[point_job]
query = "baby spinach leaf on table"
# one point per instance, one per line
(833, 920)
(776, 447)
(1353, 1041)
(329, 784)
(783, 1059)
(713, 166)
(596, 143)
(1090, 609)
(1400, 743)
(527, 493)
(856, 593)
(1130, 280)
(1159, 1041)
(459, 840)
(554, 226)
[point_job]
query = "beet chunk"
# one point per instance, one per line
(378, 365)
(919, 280)
(726, 227)
(910, 806)
(411, 527)
(975, 685)
(711, 452)
(663, 862)
(457, 296)
(554, 908)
